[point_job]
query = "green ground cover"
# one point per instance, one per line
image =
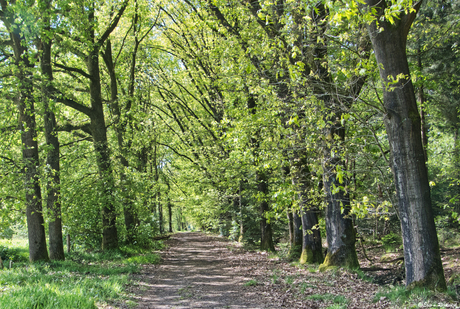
(84, 280)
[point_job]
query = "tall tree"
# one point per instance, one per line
(97, 124)
(421, 249)
(53, 201)
(25, 103)
(341, 234)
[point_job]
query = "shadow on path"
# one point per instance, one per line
(197, 272)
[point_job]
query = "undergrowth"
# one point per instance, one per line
(83, 280)
(414, 298)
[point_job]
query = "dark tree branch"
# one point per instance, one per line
(82, 139)
(10, 161)
(177, 152)
(70, 127)
(111, 26)
(75, 70)
(59, 97)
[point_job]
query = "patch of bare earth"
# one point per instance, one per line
(202, 271)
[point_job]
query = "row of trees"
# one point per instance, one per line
(240, 111)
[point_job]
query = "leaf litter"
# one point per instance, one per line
(206, 271)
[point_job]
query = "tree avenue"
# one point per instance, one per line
(264, 122)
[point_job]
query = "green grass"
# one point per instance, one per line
(398, 295)
(275, 276)
(252, 282)
(84, 280)
(336, 299)
(312, 268)
(289, 280)
(61, 285)
(149, 258)
(363, 276)
(339, 301)
(15, 250)
(415, 298)
(306, 285)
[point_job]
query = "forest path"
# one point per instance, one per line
(199, 271)
(203, 271)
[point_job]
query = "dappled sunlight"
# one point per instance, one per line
(197, 272)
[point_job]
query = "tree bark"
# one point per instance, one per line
(53, 202)
(241, 214)
(69, 249)
(294, 222)
(99, 130)
(339, 228)
(312, 250)
(340, 232)
(97, 124)
(101, 147)
(421, 99)
(35, 221)
(160, 214)
(402, 121)
(310, 236)
(120, 127)
(266, 234)
(290, 227)
(25, 103)
(170, 215)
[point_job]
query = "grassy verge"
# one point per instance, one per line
(399, 296)
(84, 280)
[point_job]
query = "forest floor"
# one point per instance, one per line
(204, 271)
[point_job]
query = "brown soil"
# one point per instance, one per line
(203, 271)
(198, 271)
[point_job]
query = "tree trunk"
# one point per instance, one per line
(310, 236)
(120, 128)
(160, 214)
(312, 250)
(97, 124)
(241, 215)
(296, 249)
(35, 221)
(266, 234)
(170, 215)
(456, 188)
(25, 104)
(53, 202)
(421, 99)
(290, 227)
(340, 232)
(297, 228)
(69, 249)
(101, 147)
(402, 122)
(339, 228)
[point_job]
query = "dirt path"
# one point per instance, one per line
(198, 272)
(201, 271)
